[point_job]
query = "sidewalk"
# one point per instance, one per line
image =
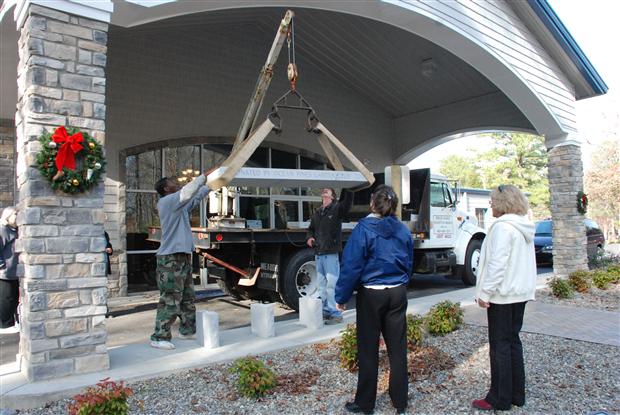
(139, 361)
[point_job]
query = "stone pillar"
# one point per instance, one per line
(569, 234)
(61, 81)
(7, 163)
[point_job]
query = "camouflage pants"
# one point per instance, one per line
(176, 296)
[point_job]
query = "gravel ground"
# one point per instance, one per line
(563, 377)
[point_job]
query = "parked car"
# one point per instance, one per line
(544, 243)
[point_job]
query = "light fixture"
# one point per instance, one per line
(188, 175)
(428, 67)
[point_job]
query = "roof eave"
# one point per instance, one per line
(565, 40)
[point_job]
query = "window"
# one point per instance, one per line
(255, 208)
(543, 227)
(437, 195)
(214, 155)
(285, 211)
(141, 212)
(143, 170)
(308, 210)
(480, 213)
(182, 163)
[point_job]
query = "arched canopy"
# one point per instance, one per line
(389, 77)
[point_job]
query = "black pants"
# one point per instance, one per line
(9, 296)
(506, 353)
(381, 312)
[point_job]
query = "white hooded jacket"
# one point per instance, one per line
(507, 267)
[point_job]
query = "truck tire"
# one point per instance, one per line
(299, 278)
(472, 255)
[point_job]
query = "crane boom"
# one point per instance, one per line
(264, 79)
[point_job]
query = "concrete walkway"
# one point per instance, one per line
(594, 326)
(139, 361)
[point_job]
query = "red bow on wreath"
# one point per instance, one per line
(69, 147)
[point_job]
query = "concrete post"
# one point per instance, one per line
(61, 81)
(569, 234)
(208, 329)
(311, 312)
(263, 321)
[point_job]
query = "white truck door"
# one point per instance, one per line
(443, 231)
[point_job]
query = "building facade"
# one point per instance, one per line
(163, 86)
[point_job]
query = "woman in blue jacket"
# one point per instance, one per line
(377, 262)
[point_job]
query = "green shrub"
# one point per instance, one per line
(561, 288)
(348, 341)
(614, 272)
(601, 279)
(444, 318)
(415, 331)
(348, 348)
(107, 397)
(254, 378)
(580, 280)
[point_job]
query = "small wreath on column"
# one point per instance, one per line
(71, 160)
(582, 202)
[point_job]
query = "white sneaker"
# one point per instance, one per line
(187, 336)
(162, 344)
(10, 330)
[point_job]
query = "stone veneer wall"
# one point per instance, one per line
(7, 163)
(114, 207)
(61, 81)
(569, 234)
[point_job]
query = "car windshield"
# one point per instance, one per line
(543, 228)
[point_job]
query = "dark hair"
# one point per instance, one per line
(331, 189)
(383, 201)
(160, 185)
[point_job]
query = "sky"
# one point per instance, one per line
(594, 26)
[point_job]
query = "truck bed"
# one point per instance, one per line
(204, 237)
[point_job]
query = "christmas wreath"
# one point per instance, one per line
(582, 202)
(72, 161)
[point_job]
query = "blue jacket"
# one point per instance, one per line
(378, 252)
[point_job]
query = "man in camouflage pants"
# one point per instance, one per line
(174, 266)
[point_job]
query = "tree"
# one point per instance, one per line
(518, 159)
(461, 168)
(602, 185)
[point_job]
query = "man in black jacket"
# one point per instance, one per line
(325, 236)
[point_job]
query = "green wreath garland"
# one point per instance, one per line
(82, 162)
(582, 202)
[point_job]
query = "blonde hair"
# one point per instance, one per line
(6, 214)
(507, 198)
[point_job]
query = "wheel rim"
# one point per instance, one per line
(306, 280)
(475, 257)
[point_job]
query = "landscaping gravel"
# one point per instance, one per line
(563, 377)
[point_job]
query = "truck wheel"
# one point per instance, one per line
(299, 279)
(472, 256)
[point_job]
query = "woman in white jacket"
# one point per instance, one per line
(506, 281)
